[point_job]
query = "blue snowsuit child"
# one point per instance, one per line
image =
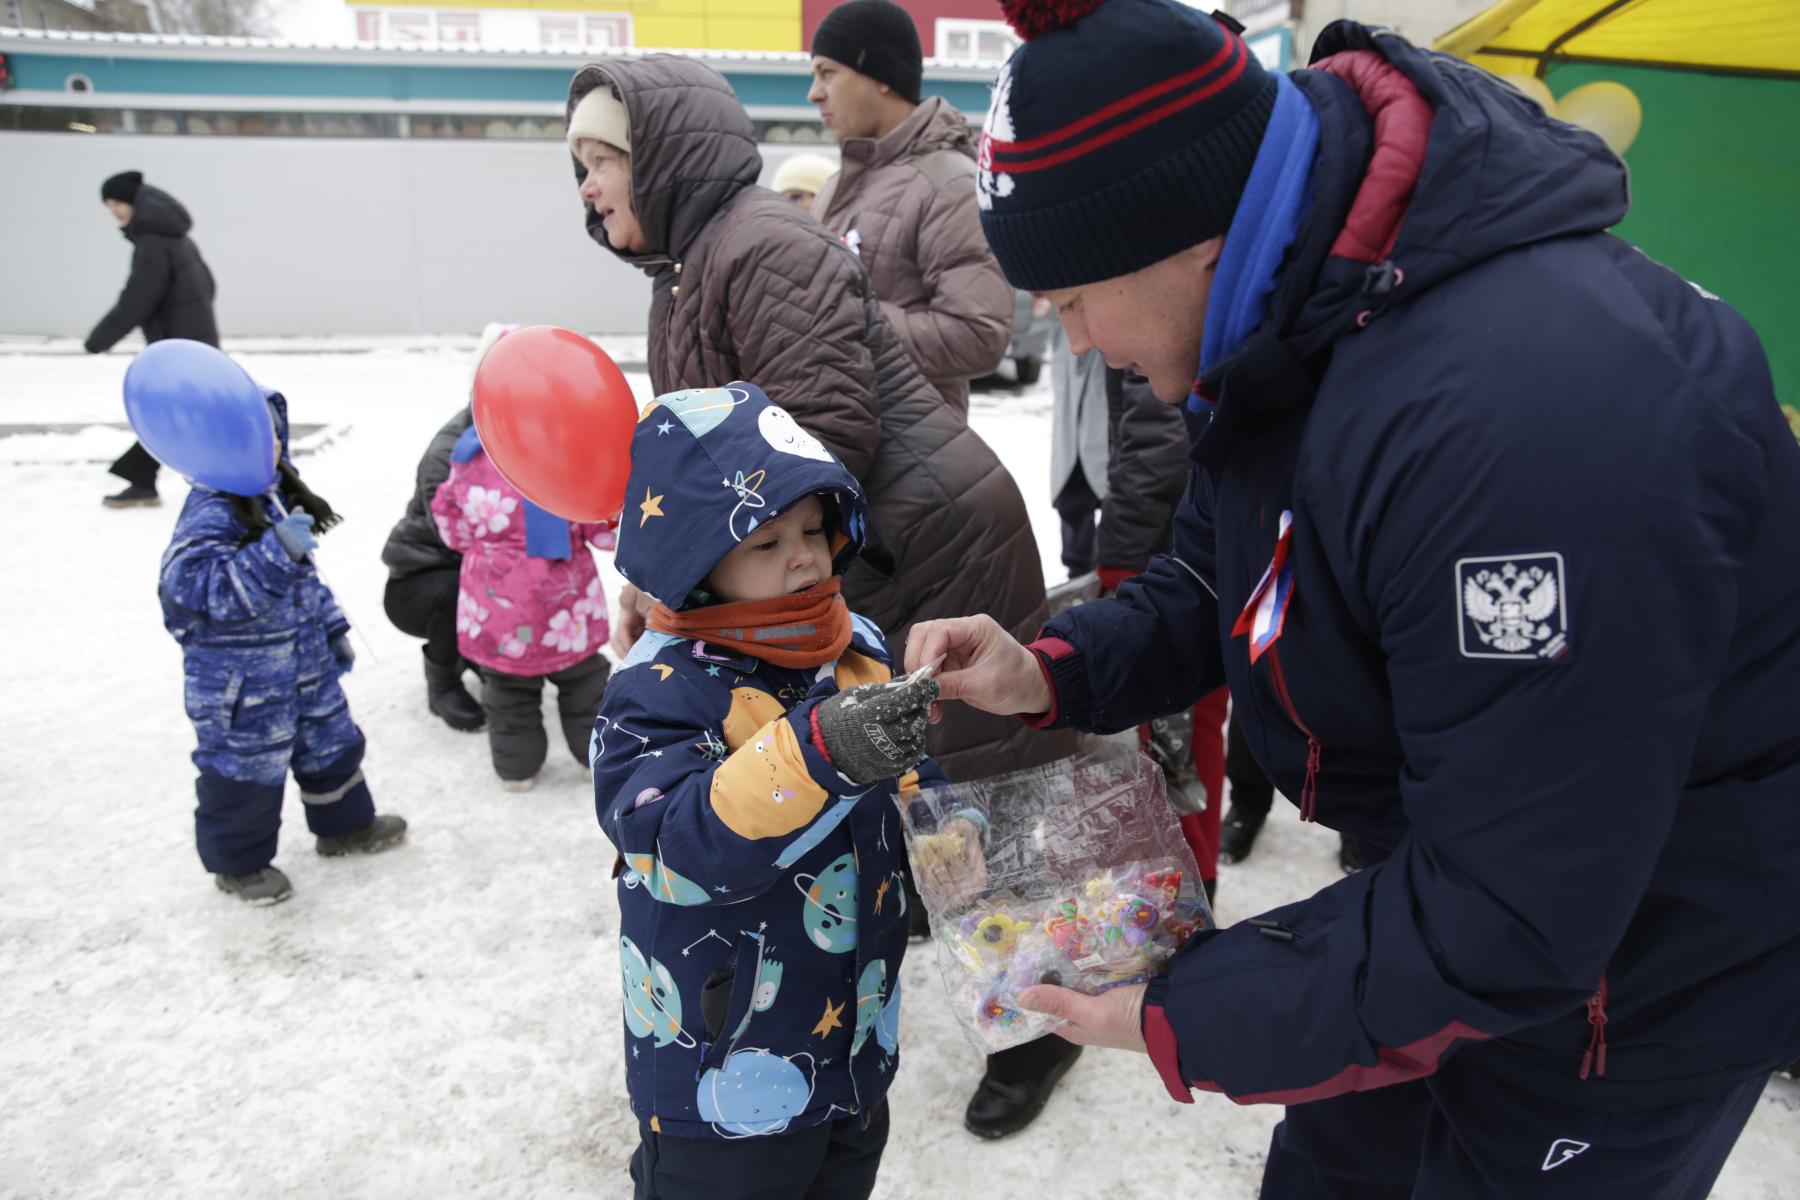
(762, 916)
(264, 643)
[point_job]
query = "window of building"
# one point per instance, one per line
(608, 31)
(559, 30)
(410, 28)
(459, 28)
(974, 41)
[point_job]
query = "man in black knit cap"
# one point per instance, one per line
(904, 197)
(1486, 534)
(904, 201)
(169, 294)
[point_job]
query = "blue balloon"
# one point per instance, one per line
(202, 415)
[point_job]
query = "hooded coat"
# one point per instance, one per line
(413, 546)
(170, 290)
(515, 612)
(905, 205)
(761, 914)
(1489, 533)
(746, 286)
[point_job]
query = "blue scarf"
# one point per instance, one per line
(1268, 220)
(546, 534)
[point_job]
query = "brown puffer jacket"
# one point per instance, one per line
(746, 286)
(907, 203)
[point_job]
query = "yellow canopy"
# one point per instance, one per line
(1726, 37)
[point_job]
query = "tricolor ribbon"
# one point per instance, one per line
(1266, 611)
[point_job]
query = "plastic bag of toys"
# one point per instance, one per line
(1073, 873)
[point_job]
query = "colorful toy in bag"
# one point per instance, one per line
(1074, 873)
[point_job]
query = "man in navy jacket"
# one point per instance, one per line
(1490, 532)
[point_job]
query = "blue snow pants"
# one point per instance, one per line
(251, 734)
(1465, 1134)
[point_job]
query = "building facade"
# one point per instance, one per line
(336, 190)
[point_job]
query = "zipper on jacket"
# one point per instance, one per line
(1315, 749)
(1595, 1059)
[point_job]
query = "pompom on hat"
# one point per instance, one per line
(1120, 134)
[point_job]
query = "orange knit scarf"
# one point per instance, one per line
(806, 629)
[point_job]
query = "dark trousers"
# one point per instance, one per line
(1251, 790)
(245, 753)
(834, 1160)
(515, 720)
(1079, 509)
(424, 606)
(1465, 1133)
(135, 466)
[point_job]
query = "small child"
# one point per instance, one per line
(530, 608)
(263, 645)
(753, 805)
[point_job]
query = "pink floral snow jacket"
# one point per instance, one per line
(515, 613)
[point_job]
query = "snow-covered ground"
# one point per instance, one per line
(441, 1020)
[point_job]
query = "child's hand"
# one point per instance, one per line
(343, 652)
(949, 866)
(877, 731)
(295, 535)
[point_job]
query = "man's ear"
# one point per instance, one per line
(1206, 254)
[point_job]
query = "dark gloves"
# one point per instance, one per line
(343, 652)
(295, 535)
(876, 731)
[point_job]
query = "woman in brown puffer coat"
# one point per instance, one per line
(746, 286)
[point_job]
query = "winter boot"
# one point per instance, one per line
(138, 495)
(448, 699)
(1237, 833)
(519, 785)
(260, 888)
(1016, 1086)
(1349, 855)
(384, 831)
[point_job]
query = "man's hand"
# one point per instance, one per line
(983, 665)
(633, 607)
(1114, 1018)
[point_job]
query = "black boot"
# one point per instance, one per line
(138, 495)
(1350, 859)
(1237, 832)
(445, 693)
(1017, 1085)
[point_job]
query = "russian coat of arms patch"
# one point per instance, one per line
(1513, 606)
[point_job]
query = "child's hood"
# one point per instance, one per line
(278, 411)
(707, 467)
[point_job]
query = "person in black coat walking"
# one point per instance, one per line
(169, 294)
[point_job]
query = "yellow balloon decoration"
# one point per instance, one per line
(1606, 108)
(1534, 89)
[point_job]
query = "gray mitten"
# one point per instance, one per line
(877, 731)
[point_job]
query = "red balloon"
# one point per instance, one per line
(556, 417)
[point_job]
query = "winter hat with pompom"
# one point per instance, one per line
(1120, 133)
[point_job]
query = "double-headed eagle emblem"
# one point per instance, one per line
(1510, 606)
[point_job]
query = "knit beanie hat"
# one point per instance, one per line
(803, 173)
(1121, 132)
(876, 38)
(601, 116)
(122, 187)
